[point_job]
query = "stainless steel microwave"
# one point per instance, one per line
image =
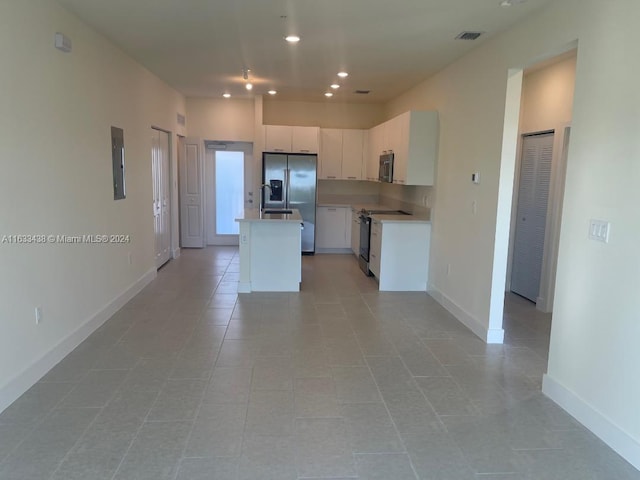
(386, 168)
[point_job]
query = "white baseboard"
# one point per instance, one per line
(335, 251)
(176, 253)
(24, 380)
(488, 335)
(611, 434)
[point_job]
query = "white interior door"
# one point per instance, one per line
(533, 196)
(191, 196)
(160, 170)
(228, 186)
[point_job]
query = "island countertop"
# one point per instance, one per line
(255, 215)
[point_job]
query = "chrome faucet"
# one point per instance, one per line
(262, 194)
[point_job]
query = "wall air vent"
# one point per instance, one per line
(181, 120)
(362, 92)
(469, 35)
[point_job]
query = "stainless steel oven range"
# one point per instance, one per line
(365, 234)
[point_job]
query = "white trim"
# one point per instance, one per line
(335, 251)
(24, 380)
(488, 335)
(244, 287)
(176, 253)
(610, 433)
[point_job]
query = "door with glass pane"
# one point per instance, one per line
(228, 191)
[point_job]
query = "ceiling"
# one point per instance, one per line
(200, 47)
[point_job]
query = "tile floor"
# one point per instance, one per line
(190, 381)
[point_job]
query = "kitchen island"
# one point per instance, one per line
(270, 251)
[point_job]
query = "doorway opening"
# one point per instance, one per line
(538, 193)
(228, 187)
(539, 99)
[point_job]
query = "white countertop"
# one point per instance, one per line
(254, 215)
(382, 218)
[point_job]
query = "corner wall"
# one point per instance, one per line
(56, 150)
(594, 341)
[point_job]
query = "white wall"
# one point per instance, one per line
(547, 95)
(594, 343)
(56, 179)
(327, 114)
(225, 119)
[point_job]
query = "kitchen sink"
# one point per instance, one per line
(277, 211)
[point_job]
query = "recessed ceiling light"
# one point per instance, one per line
(226, 95)
(509, 3)
(292, 38)
(249, 86)
(272, 92)
(335, 86)
(328, 94)
(343, 74)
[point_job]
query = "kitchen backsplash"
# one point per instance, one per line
(414, 199)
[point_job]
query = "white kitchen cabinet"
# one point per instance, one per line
(305, 140)
(399, 255)
(355, 232)
(333, 229)
(341, 154)
(376, 141)
(413, 139)
(352, 154)
(393, 139)
(284, 138)
(277, 138)
(415, 158)
(375, 248)
(330, 153)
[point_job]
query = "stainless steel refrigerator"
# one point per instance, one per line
(292, 184)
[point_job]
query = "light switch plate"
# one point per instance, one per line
(599, 230)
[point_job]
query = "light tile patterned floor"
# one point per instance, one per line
(190, 381)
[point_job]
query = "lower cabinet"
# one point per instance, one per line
(375, 248)
(355, 232)
(333, 230)
(399, 255)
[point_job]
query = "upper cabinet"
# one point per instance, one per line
(376, 143)
(305, 140)
(351, 154)
(416, 152)
(342, 153)
(413, 139)
(281, 138)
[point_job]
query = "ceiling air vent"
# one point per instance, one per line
(362, 92)
(469, 35)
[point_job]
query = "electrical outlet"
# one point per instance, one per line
(448, 269)
(38, 315)
(599, 230)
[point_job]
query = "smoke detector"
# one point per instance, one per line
(469, 35)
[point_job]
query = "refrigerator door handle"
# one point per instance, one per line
(287, 172)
